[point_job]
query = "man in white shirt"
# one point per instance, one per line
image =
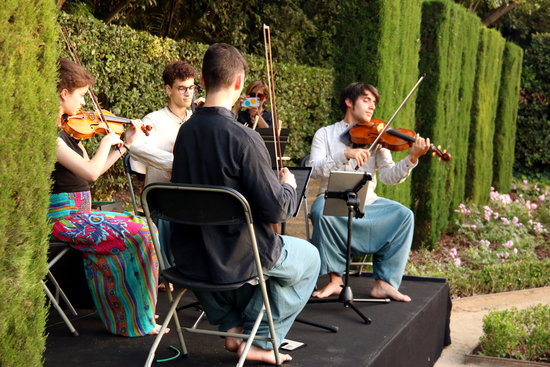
(152, 155)
(386, 230)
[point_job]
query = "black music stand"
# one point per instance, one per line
(354, 198)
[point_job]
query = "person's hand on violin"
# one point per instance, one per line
(285, 176)
(359, 154)
(419, 148)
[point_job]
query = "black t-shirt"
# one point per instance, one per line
(212, 148)
(63, 179)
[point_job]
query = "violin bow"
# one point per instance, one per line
(271, 91)
(387, 126)
(95, 102)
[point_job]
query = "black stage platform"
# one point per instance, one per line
(401, 334)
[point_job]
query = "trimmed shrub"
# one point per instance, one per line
(449, 37)
(519, 334)
(128, 65)
(28, 110)
(377, 42)
(507, 113)
(532, 155)
(487, 83)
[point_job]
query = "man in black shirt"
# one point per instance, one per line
(213, 148)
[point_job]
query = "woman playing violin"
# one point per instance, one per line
(386, 230)
(119, 258)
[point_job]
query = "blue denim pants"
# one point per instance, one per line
(386, 231)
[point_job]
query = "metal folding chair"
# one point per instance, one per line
(63, 248)
(202, 205)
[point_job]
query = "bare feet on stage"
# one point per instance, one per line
(255, 353)
(382, 289)
(156, 330)
(262, 355)
(333, 287)
(231, 343)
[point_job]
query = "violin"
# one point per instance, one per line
(85, 125)
(395, 140)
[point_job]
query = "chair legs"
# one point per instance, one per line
(58, 307)
(172, 312)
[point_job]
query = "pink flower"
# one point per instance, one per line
(453, 252)
(533, 206)
(503, 255)
(485, 242)
(463, 209)
(508, 244)
(505, 220)
(525, 182)
(457, 261)
(516, 222)
(542, 197)
(515, 250)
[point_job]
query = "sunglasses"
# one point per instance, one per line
(257, 95)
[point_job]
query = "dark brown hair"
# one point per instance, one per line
(354, 91)
(73, 76)
(220, 64)
(258, 84)
(178, 70)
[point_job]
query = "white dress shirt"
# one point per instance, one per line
(327, 154)
(153, 154)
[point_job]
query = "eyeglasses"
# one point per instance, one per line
(182, 89)
(257, 95)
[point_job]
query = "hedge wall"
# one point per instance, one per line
(487, 83)
(28, 109)
(532, 153)
(128, 65)
(377, 42)
(507, 112)
(449, 38)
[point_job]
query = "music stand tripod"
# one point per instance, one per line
(354, 210)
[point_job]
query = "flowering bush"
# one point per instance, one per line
(511, 232)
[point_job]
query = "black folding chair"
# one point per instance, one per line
(202, 205)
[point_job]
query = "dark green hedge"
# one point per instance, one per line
(449, 38)
(480, 154)
(377, 42)
(128, 65)
(505, 123)
(532, 154)
(28, 110)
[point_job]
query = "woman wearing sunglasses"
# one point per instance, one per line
(247, 115)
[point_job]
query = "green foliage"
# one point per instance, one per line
(531, 153)
(128, 65)
(519, 334)
(28, 110)
(480, 153)
(507, 111)
(377, 42)
(449, 38)
(497, 247)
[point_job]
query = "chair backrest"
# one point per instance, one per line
(199, 205)
(203, 204)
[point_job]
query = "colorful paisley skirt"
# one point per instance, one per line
(119, 261)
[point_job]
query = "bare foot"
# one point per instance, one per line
(156, 330)
(382, 289)
(232, 344)
(263, 355)
(333, 287)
